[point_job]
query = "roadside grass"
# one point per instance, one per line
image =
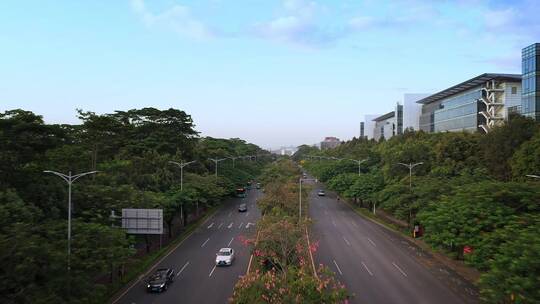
(140, 266)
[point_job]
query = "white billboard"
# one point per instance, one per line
(142, 221)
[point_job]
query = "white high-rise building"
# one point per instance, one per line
(369, 125)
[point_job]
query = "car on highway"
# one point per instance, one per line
(321, 193)
(242, 208)
(258, 186)
(160, 280)
(225, 257)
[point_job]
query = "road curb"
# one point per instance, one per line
(311, 255)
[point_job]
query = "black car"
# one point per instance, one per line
(242, 208)
(160, 280)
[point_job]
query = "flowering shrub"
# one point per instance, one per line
(282, 270)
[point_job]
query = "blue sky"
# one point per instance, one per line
(272, 72)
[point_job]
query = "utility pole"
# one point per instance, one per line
(69, 179)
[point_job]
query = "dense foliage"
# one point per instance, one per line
(282, 271)
(471, 195)
(132, 151)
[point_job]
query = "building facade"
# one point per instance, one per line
(369, 125)
(389, 124)
(412, 111)
(530, 65)
(477, 104)
(330, 143)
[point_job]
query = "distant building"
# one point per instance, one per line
(362, 133)
(479, 103)
(530, 98)
(369, 125)
(389, 124)
(330, 143)
(412, 111)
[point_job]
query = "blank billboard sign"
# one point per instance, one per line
(142, 221)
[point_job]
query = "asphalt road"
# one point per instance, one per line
(198, 280)
(373, 266)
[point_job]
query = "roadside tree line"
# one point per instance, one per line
(132, 151)
(471, 194)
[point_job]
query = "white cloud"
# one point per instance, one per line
(177, 18)
(495, 19)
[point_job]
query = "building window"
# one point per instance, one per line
(514, 90)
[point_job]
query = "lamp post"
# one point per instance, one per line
(234, 158)
(359, 162)
(182, 164)
(216, 161)
(410, 166)
(69, 179)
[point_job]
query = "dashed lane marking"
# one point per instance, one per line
(230, 225)
(219, 227)
(346, 241)
(211, 272)
(229, 245)
(184, 267)
(337, 266)
(402, 272)
(373, 243)
(242, 223)
(205, 242)
(367, 269)
(211, 225)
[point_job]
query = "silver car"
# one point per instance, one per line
(225, 257)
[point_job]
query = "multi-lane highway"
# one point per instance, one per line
(197, 279)
(371, 262)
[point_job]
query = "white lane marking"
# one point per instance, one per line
(341, 273)
(371, 242)
(402, 272)
(249, 224)
(346, 241)
(230, 214)
(211, 225)
(180, 271)
(354, 224)
(334, 223)
(247, 213)
(229, 245)
(230, 225)
(220, 226)
(212, 271)
(242, 223)
(205, 242)
(367, 269)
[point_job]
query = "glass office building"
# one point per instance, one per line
(530, 64)
(477, 104)
(458, 113)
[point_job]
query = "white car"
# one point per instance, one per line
(225, 257)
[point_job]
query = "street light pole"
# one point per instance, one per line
(533, 176)
(181, 164)
(216, 161)
(410, 166)
(69, 179)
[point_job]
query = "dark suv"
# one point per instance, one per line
(160, 280)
